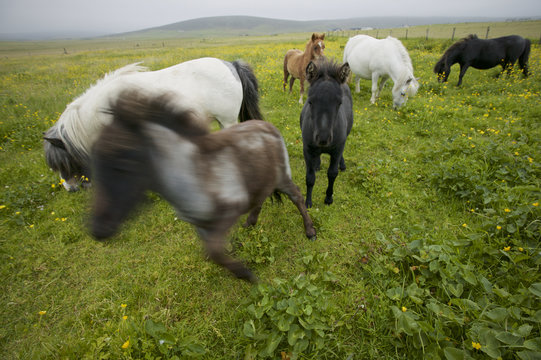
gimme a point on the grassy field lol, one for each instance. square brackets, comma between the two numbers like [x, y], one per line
[430, 250]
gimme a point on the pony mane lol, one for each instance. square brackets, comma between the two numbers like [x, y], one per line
[134, 108]
[459, 44]
[403, 52]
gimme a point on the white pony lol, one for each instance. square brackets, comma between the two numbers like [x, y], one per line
[211, 88]
[371, 58]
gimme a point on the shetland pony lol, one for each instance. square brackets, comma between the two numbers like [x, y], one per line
[296, 61]
[210, 178]
[326, 120]
[484, 54]
[215, 88]
[371, 58]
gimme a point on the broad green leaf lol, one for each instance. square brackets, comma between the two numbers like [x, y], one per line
[249, 329]
[508, 338]
[284, 322]
[528, 355]
[497, 314]
[533, 344]
[295, 333]
[395, 293]
[535, 289]
[524, 330]
[272, 343]
[452, 353]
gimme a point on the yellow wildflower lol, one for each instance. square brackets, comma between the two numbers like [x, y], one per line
[498, 227]
[126, 344]
[125, 317]
[536, 203]
[507, 210]
[507, 248]
[123, 305]
[476, 345]
[42, 312]
[2, 207]
[464, 225]
[520, 249]
[404, 309]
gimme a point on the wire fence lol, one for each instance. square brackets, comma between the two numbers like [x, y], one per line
[529, 29]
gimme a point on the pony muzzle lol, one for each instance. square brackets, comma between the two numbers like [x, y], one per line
[323, 138]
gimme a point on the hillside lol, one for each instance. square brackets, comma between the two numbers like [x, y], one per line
[257, 26]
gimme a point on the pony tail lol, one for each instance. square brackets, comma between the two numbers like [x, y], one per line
[249, 109]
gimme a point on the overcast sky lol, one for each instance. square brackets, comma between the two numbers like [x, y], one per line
[113, 16]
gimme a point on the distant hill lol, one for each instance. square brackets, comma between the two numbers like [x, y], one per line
[254, 26]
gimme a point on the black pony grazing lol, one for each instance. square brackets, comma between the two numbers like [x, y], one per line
[484, 54]
[326, 120]
[210, 178]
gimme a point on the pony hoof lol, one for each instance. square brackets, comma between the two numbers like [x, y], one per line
[328, 200]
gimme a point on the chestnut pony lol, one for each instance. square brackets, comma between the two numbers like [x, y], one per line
[296, 61]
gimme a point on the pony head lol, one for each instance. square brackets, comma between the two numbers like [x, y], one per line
[318, 44]
[70, 164]
[325, 97]
[403, 90]
[442, 69]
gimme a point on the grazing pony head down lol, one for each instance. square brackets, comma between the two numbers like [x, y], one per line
[484, 54]
[219, 90]
[443, 67]
[210, 178]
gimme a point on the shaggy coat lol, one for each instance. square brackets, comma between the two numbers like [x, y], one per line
[210, 178]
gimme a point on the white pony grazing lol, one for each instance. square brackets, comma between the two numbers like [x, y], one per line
[210, 87]
[371, 58]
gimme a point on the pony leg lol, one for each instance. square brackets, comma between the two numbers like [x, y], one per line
[294, 194]
[252, 218]
[302, 90]
[357, 80]
[311, 163]
[342, 163]
[286, 77]
[375, 94]
[291, 81]
[463, 69]
[382, 82]
[214, 240]
[332, 173]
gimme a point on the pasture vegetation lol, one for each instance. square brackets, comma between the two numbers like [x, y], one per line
[431, 248]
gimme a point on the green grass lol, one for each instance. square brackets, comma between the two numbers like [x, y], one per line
[431, 245]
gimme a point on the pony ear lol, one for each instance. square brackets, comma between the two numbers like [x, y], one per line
[408, 81]
[343, 73]
[311, 72]
[55, 142]
[323, 36]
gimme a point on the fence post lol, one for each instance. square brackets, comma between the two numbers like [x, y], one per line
[407, 35]
[488, 29]
[427, 33]
[453, 36]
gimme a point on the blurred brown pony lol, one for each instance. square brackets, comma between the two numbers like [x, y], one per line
[296, 61]
[210, 178]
